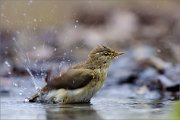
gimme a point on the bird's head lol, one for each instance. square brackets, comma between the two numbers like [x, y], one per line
[103, 54]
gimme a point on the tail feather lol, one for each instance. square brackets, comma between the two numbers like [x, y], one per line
[35, 97]
[44, 90]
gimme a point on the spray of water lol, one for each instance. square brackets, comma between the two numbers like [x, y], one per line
[26, 66]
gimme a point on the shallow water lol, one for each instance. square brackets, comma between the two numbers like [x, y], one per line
[99, 109]
[106, 105]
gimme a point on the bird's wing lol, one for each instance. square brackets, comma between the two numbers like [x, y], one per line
[72, 79]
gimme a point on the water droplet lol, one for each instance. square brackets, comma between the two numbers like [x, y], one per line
[25, 88]
[7, 63]
[34, 47]
[20, 93]
[26, 100]
[30, 2]
[35, 20]
[71, 50]
[69, 60]
[18, 32]
[75, 26]
[158, 50]
[9, 73]
[77, 21]
[2, 14]
[7, 21]
[65, 53]
[34, 28]
[24, 14]
[55, 49]
[15, 84]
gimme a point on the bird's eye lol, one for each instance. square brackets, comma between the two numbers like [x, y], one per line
[106, 53]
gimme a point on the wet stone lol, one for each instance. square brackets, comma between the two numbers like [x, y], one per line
[173, 73]
[5, 86]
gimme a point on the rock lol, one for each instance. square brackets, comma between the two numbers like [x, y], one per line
[155, 85]
[122, 91]
[175, 88]
[173, 73]
[146, 93]
[165, 81]
[123, 70]
[5, 85]
[146, 75]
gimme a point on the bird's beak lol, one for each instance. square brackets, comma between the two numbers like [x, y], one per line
[118, 54]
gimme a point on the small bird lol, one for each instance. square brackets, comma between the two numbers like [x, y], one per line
[80, 82]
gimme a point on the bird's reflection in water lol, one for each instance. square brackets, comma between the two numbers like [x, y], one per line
[74, 111]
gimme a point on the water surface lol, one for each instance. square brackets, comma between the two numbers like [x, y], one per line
[106, 105]
[99, 109]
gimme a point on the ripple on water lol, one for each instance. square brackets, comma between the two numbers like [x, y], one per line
[101, 108]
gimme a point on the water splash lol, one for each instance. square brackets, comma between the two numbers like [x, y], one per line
[33, 78]
[26, 60]
[75, 26]
[7, 63]
[34, 47]
[30, 2]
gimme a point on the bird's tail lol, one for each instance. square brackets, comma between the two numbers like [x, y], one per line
[35, 97]
[44, 90]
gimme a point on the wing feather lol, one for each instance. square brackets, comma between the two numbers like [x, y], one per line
[72, 79]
